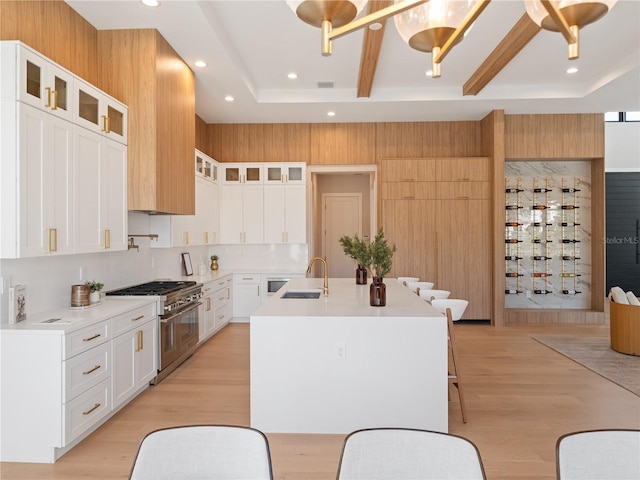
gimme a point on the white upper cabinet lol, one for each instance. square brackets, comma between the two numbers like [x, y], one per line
[289, 173]
[241, 214]
[98, 112]
[43, 84]
[242, 173]
[206, 167]
[285, 214]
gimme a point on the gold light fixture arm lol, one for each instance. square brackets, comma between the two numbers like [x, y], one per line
[559, 20]
[329, 33]
[462, 28]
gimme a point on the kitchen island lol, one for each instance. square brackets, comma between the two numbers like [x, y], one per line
[335, 364]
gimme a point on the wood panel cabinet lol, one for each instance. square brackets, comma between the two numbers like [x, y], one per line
[442, 227]
[141, 69]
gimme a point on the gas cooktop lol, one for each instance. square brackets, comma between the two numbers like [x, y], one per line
[153, 288]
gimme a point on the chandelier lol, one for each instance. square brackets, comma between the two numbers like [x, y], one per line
[436, 26]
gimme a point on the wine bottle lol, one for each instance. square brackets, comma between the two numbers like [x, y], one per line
[513, 207]
[541, 240]
[512, 224]
[541, 292]
[542, 190]
[512, 240]
[540, 224]
[570, 190]
[539, 207]
[569, 207]
[541, 257]
[513, 274]
[512, 292]
[569, 240]
[540, 274]
[513, 190]
[512, 257]
[567, 275]
[570, 292]
[569, 224]
[570, 257]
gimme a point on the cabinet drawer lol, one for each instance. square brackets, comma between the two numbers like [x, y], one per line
[86, 370]
[246, 278]
[208, 288]
[85, 411]
[132, 319]
[222, 283]
[83, 340]
[221, 316]
[222, 296]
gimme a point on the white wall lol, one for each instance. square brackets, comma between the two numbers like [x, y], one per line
[622, 146]
[49, 279]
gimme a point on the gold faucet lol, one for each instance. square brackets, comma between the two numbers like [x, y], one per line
[325, 287]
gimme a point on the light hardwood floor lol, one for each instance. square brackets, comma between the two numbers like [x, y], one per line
[521, 396]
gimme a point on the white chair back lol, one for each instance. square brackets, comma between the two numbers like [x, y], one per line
[397, 453]
[203, 451]
[457, 306]
[414, 286]
[428, 295]
[601, 454]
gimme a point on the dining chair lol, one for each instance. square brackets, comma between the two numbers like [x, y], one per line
[602, 454]
[405, 280]
[453, 308]
[214, 452]
[405, 453]
[429, 295]
[416, 287]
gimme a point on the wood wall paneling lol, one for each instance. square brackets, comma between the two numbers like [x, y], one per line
[342, 143]
[598, 234]
[202, 138]
[554, 136]
[55, 30]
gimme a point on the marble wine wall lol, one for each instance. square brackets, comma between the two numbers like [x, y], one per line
[548, 234]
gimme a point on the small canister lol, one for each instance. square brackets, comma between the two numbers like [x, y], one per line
[80, 295]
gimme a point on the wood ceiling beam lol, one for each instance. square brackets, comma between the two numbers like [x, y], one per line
[371, 44]
[514, 41]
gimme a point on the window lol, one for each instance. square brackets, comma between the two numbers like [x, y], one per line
[632, 117]
[613, 117]
[622, 117]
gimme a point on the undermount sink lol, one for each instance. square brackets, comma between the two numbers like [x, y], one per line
[302, 294]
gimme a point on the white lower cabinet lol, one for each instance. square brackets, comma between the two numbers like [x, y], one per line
[58, 384]
[247, 295]
[215, 311]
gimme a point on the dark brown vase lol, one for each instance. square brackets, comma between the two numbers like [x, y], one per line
[361, 276]
[377, 293]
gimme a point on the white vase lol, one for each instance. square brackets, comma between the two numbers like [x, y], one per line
[94, 297]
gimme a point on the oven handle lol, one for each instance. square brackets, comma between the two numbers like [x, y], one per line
[188, 309]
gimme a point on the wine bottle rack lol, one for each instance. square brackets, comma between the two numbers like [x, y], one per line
[570, 241]
[543, 241]
[512, 237]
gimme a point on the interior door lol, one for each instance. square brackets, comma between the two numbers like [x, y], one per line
[341, 215]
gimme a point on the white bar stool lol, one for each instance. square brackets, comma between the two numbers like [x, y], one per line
[429, 295]
[416, 287]
[405, 280]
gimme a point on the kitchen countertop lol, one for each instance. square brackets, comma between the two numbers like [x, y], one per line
[213, 275]
[346, 298]
[76, 319]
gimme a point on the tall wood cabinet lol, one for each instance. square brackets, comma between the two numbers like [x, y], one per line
[438, 213]
[141, 69]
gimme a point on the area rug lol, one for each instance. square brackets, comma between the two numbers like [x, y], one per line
[596, 354]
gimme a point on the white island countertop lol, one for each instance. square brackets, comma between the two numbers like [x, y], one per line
[336, 364]
[346, 298]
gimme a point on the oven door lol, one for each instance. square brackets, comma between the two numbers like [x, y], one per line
[178, 333]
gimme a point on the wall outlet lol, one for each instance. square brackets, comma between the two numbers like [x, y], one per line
[5, 284]
[528, 293]
[83, 274]
[341, 351]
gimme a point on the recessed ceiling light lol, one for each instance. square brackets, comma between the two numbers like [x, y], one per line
[150, 3]
[375, 26]
[229, 98]
[200, 63]
[331, 114]
[292, 76]
[572, 70]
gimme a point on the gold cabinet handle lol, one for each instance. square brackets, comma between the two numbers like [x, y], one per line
[92, 370]
[97, 405]
[206, 237]
[137, 318]
[55, 239]
[409, 197]
[466, 197]
[208, 304]
[48, 239]
[140, 341]
[55, 100]
[91, 338]
[107, 238]
[48, 89]
[106, 124]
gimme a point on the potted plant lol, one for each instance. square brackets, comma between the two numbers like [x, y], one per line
[381, 255]
[357, 249]
[94, 290]
[214, 262]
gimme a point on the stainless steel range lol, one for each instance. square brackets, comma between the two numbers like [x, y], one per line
[178, 305]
